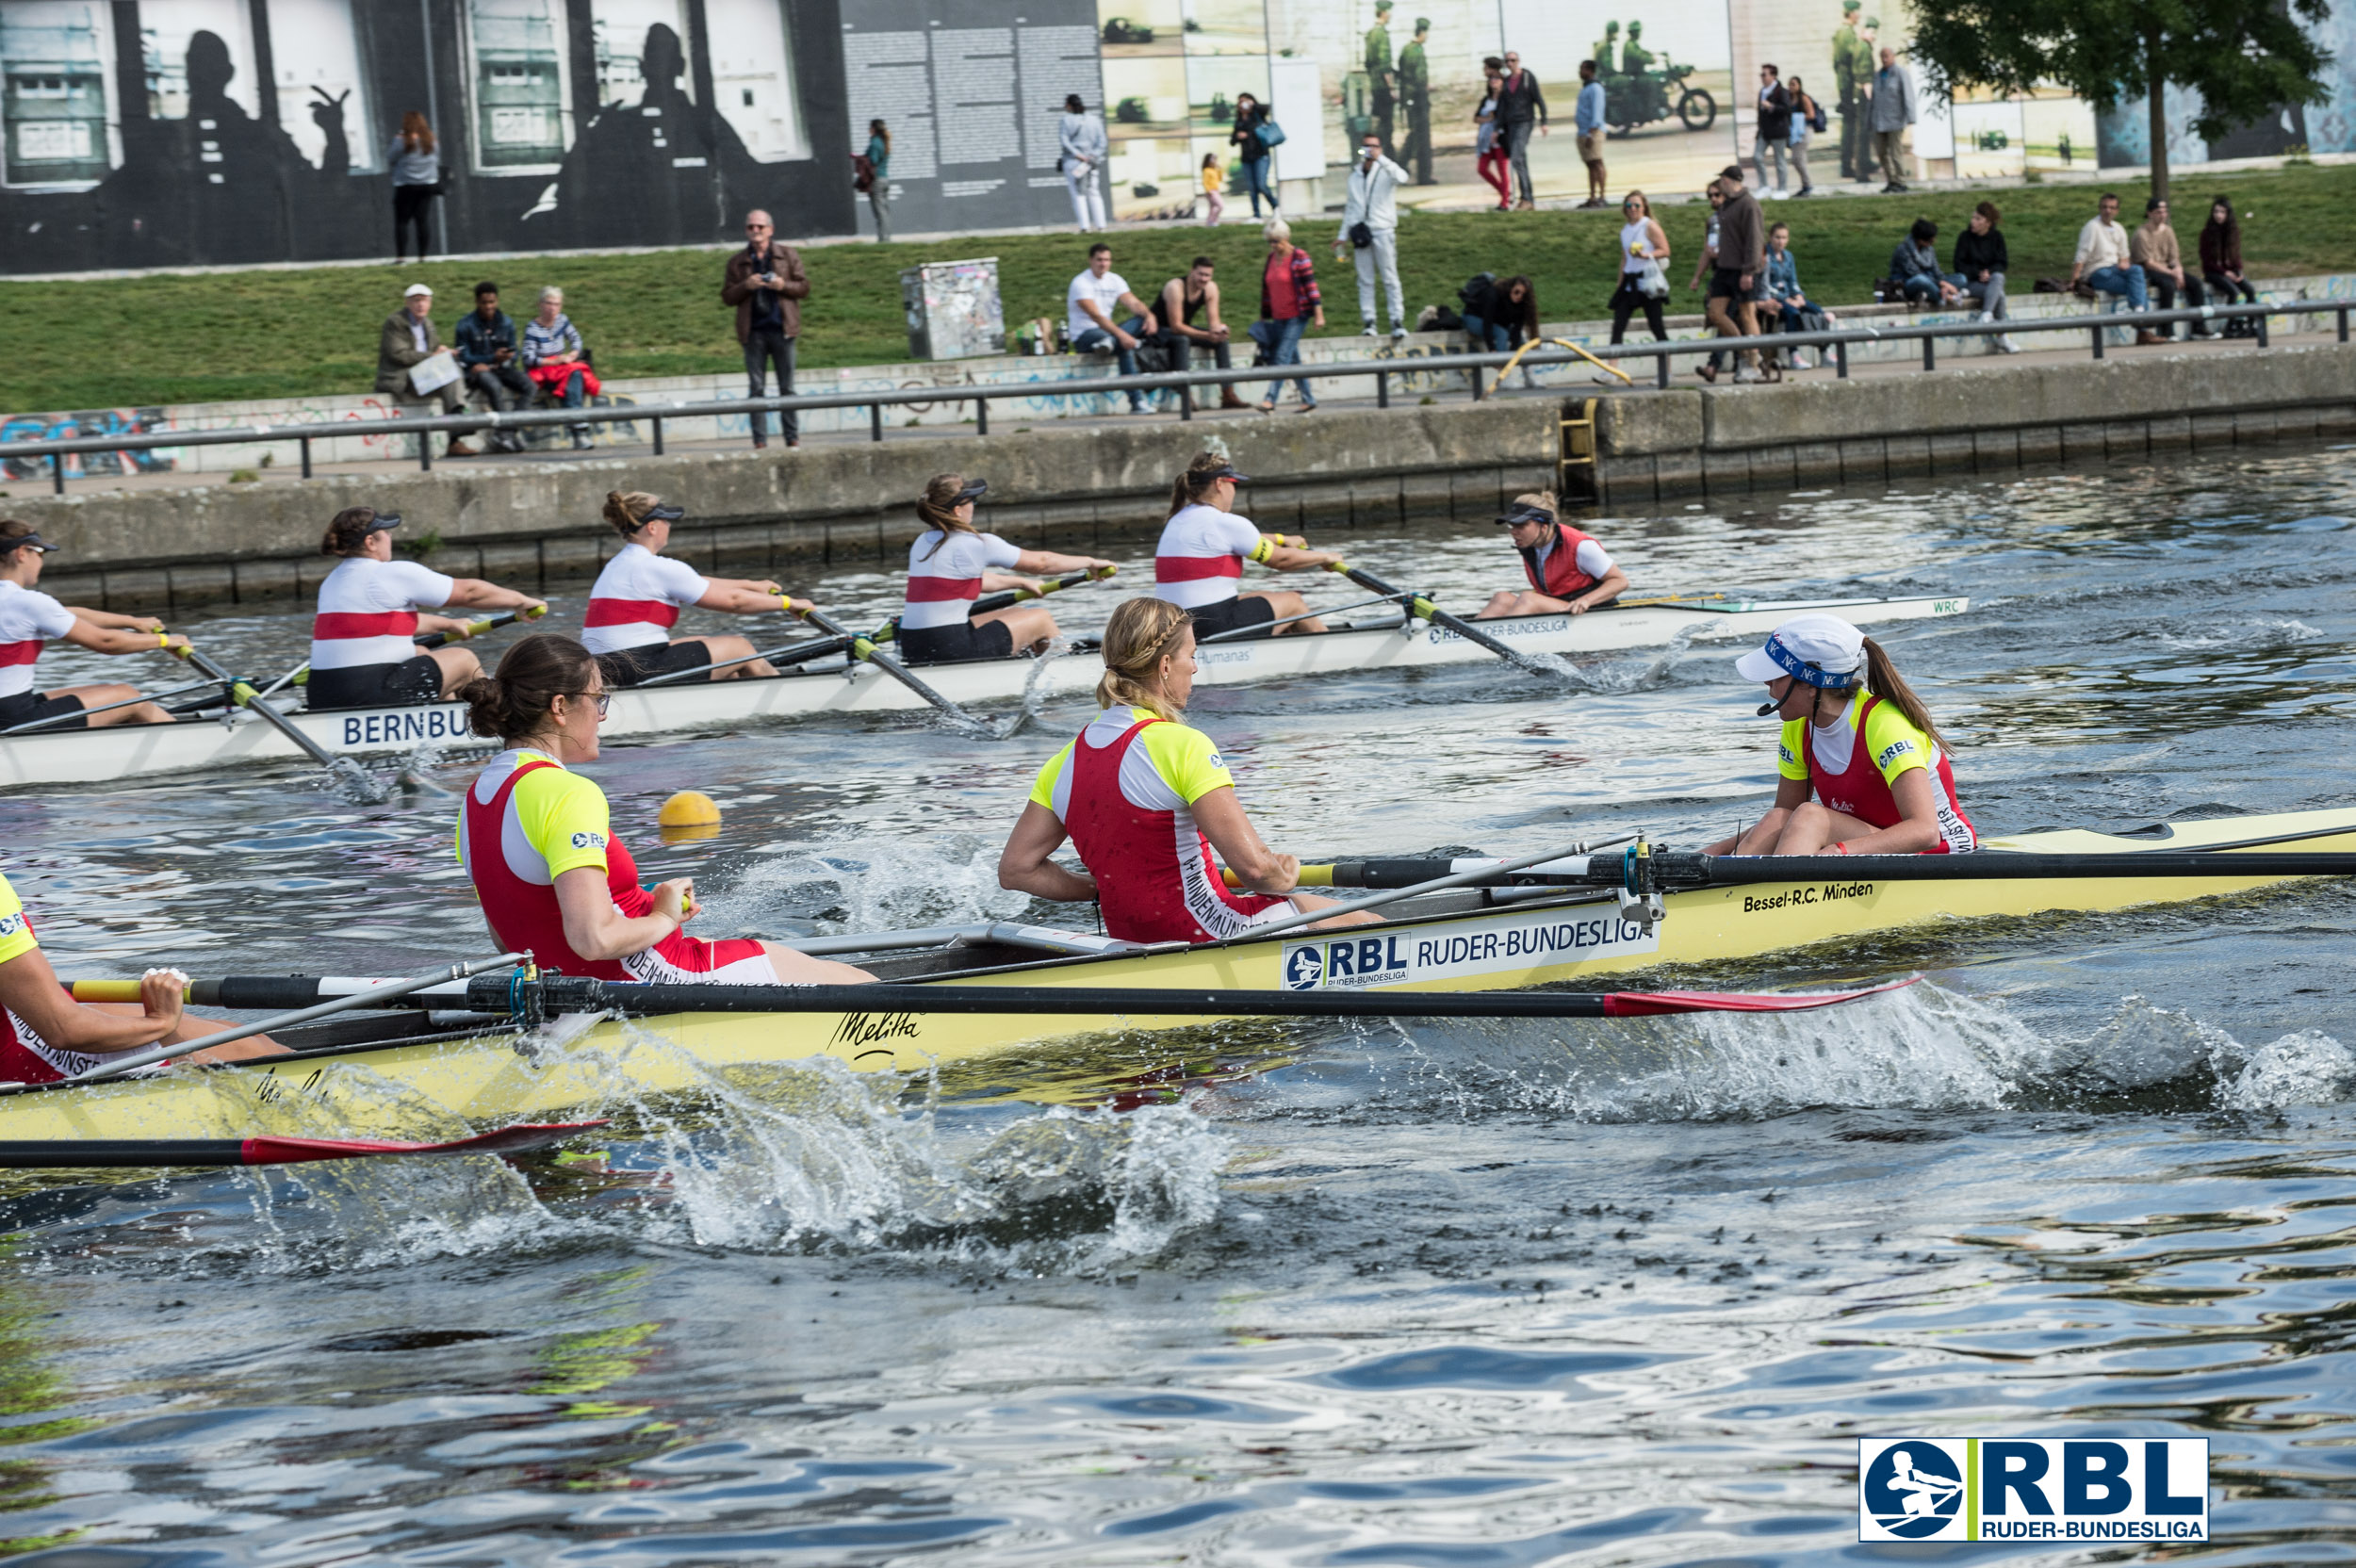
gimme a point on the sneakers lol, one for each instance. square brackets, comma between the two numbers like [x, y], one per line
[1605, 378]
[1806, 191]
[1367, 331]
[1398, 333]
[1800, 360]
[2005, 344]
[1140, 408]
[1747, 377]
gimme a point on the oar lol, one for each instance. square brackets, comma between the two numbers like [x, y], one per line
[864, 648]
[242, 694]
[284, 1020]
[265, 1149]
[889, 630]
[1418, 605]
[564, 993]
[476, 629]
[790, 653]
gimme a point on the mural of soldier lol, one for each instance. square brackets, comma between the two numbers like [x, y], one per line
[1415, 96]
[1607, 54]
[1853, 81]
[1380, 77]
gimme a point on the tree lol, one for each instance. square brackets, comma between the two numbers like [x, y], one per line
[2243, 57]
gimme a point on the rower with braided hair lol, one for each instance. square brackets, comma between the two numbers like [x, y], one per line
[1199, 563]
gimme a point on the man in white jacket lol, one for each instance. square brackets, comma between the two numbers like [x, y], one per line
[1372, 182]
[1081, 140]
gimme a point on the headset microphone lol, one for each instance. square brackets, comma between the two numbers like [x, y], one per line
[1767, 707]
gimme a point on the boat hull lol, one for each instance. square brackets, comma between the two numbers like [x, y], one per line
[100, 756]
[401, 1089]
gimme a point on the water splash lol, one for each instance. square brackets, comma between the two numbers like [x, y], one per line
[872, 885]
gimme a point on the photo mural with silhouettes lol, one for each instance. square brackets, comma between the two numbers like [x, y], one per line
[162, 133]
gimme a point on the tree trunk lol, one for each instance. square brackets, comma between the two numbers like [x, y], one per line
[2159, 116]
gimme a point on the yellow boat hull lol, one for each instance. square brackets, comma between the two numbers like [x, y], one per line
[408, 1089]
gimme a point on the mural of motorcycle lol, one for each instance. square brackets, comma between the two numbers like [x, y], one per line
[1633, 100]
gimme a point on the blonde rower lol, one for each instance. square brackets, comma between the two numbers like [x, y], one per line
[1569, 572]
[1145, 798]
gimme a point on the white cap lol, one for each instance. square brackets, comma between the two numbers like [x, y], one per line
[414, 289]
[1822, 650]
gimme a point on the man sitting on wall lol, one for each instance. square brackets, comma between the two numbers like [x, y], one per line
[486, 353]
[409, 339]
[1089, 305]
[1180, 301]
[2153, 248]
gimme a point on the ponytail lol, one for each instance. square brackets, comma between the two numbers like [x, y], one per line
[1192, 485]
[1883, 680]
[937, 508]
[1141, 634]
[511, 705]
[627, 510]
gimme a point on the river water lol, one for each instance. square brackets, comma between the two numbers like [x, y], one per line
[1473, 1294]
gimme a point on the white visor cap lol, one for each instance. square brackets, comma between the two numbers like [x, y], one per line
[1822, 650]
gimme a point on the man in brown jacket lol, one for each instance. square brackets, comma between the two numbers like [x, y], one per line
[766, 284]
[1742, 260]
[408, 339]
[2153, 248]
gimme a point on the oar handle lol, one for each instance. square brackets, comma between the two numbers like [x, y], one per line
[476, 629]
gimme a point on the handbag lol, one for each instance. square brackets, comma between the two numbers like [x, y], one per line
[1361, 235]
[1270, 132]
[1816, 121]
[434, 373]
[862, 173]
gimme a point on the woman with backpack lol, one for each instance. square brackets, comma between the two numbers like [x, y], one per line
[1808, 116]
[1250, 114]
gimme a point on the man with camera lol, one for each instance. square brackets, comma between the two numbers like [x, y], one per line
[1371, 226]
[766, 284]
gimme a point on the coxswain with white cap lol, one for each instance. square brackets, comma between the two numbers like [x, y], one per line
[28, 618]
[1863, 769]
[1569, 572]
[950, 566]
[1144, 798]
[638, 596]
[364, 647]
[1199, 560]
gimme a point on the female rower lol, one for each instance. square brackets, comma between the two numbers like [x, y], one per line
[537, 840]
[1199, 560]
[1864, 771]
[28, 618]
[46, 1036]
[637, 599]
[364, 646]
[1569, 572]
[949, 567]
[1145, 798]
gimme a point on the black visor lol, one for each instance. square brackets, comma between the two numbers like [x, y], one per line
[29, 542]
[661, 513]
[974, 490]
[1227, 470]
[1525, 513]
[383, 519]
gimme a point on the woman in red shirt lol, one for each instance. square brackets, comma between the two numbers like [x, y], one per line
[1289, 303]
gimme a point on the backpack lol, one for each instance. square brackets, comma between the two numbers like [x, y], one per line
[1475, 285]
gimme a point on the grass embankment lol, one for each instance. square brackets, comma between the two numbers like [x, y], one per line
[178, 338]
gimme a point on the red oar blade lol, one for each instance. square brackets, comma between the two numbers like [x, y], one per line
[505, 1140]
[1648, 1004]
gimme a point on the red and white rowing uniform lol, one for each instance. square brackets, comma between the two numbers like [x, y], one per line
[1567, 567]
[1853, 764]
[1200, 559]
[368, 611]
[943, 583]
[526, 820]
[636, 600]
[1125, 791]
[28, 618]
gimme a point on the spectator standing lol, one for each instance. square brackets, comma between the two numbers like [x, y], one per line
[1914, 268]
[2153, 248]
[1736, 272]
[1789, 309]
[879, 178]
[2220, 265]
[1643, 248]
[1080, 138]
[1981, 263]
[1853, 86]
[555, 358]
[1289, 304]
[1521, 110]
[1774, 132]
[1180, 301]
[765, 282]
[1370, 229]
[2104, 266]
[1214, 181]
[408, 338]
[1415, 96]
[1893, 112]
[1588, 117]
[417, 167]
[1089, 305]
[1805, 113]
[487, 350]
[1489, 159]
[1250, 114]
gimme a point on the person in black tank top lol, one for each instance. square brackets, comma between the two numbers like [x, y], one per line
[1182, 299]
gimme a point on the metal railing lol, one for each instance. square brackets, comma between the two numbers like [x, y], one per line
[1184, 382]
